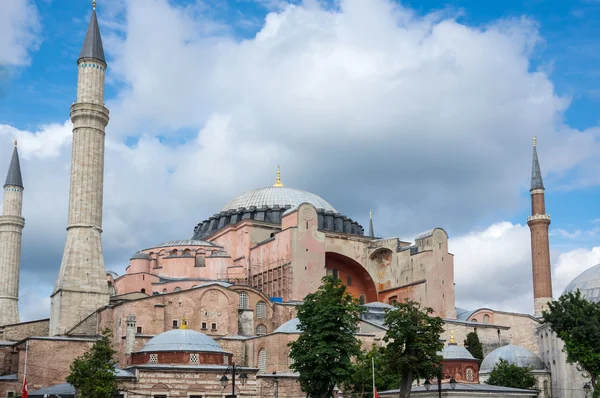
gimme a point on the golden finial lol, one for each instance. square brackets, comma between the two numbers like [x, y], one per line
[278, 183]
[452, 341]
[534, 140]
[94, 5]
[183, 323]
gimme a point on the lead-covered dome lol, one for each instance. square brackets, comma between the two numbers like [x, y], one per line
[182, 340]
[455, 351]
[588, 283]
[513, 354]
[281, 196]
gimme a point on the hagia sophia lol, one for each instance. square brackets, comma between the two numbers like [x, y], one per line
[187, 310]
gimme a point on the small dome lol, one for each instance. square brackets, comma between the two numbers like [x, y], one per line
[282, 196]
[588, 283]
[455, 351]
[290, 327]
[513, 354]
[140, 256]
[186, 340]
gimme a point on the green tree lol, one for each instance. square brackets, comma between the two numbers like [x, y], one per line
[509, 375]
[473, 344]
[93, 374]
[361, 381]
[413, 342]
[323, 353]
[575, 321]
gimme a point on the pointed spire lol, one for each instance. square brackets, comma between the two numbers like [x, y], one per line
[278, 183]
[371, 231]
[536, 174]
[14, 170]
[92, 45]
[452, 341]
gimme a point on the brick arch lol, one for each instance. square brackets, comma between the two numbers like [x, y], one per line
[361, 281]
[161, 387]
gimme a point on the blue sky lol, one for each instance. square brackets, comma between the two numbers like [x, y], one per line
[186, 125]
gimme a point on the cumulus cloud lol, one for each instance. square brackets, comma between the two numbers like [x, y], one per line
[19, 28]
[423, 119]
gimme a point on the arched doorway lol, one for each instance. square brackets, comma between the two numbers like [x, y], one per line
[352, 274]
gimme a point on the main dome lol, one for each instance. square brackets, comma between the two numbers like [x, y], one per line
[588, 283]
[282, 196]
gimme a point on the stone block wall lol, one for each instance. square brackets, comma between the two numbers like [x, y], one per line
[20, 331]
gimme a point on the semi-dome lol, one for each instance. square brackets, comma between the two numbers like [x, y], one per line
[186, 340]
[290, 327]
[513, 354]
[282, 196]
[588, 283]
[140, 256]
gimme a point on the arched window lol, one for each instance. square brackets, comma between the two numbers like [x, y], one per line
[335, 273]
[469, 374]
[165, 290]
[177, 289]
[349, 281]
[262, 361]
[261, 330]
[243, 301]
[186, 253]
[474, 320]
[261, 310]
[486, 319]
[362, 299]
[174, 252]
[143, 290]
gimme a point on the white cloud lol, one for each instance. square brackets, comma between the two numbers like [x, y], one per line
[19, 28]
[572, 263]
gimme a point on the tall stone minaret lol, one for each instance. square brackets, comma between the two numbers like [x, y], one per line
[538, 223]
[81, 287]
[11, 225]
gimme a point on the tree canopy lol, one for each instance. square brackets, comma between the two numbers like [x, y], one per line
[413, 343]
[509, 375]
[323, 352]
[361, 381]
[576, 321]
[473, 344]
[93, 374]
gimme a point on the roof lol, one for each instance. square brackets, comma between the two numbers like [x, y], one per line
[140, 256]
[588, 283]
[463, 315]
[9, 377]
[290, 327]
[186, 340]
[455, 351]
[480, 388]
[536, 174]
[513, 354]
[13, 177]
[184, 242]
[64, 390]
[282, 196]
[92, 45]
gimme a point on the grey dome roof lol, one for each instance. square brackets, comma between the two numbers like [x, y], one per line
[455, 351]
[282, 196]
[513, 354]
[140, 256]
[290, 327]
[182, 340]
[588, 283]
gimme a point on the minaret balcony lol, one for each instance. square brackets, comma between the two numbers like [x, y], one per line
[537, 217]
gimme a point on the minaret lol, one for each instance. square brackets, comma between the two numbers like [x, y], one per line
[538, 223]
[11, 225]
[81, 287]
[371, 231]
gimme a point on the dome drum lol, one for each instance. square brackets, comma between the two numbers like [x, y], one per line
[181, 358]
[327, 220]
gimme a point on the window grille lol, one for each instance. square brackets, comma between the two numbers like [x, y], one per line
[244, 301]
[261, 330]
[470, 374]
[153, 358]
[194, 359]
[262, 361]
[261, 310]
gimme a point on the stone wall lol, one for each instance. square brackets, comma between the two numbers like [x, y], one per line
[20, 331]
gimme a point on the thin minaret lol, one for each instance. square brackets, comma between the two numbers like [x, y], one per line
[11, 227]
[538, 223]
[371, 231]
[81, 287]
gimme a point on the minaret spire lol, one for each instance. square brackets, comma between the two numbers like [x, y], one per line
[81, 286]
[371, 231]
[11, 227]
[539, 223]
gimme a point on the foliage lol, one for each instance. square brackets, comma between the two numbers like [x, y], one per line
[413, 343]
[473, 344]
[323, 352]
[361, 382]
[509, 375]
[93, 374]
[576, 321]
